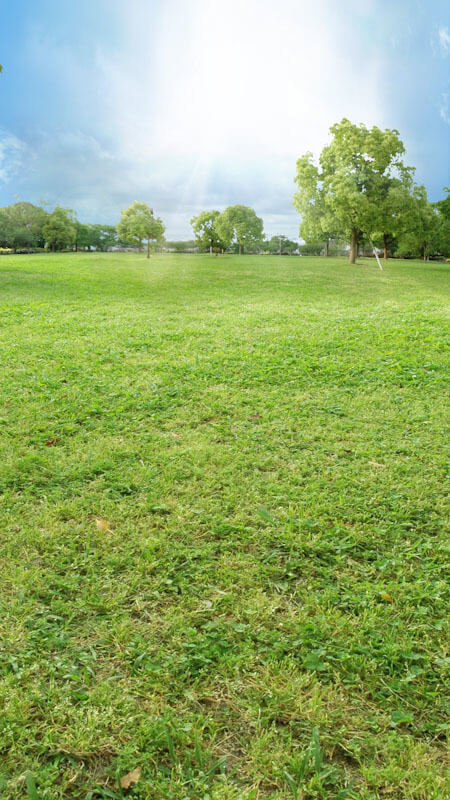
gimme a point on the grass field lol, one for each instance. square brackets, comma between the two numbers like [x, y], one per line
[261, 610]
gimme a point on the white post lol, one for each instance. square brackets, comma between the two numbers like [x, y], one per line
[375, 254]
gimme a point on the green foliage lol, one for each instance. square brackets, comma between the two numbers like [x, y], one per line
[266, 613]
[95, 237]
[428, 228]
[362, 186]
[206, 235]
[281, 245]
[60, 230]
[138, 224]
[240, 225]
[21, 226]
[181, 246]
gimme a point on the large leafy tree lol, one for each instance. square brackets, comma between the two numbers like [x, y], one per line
[350, 189]
[239, 224]
[206, 235]
[138, 224]
[60, 229]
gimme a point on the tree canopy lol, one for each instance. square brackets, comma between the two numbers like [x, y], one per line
[359, 187]
[21, 226]
[138, 224]
[60, 230]
[206, 235]
[239, 224]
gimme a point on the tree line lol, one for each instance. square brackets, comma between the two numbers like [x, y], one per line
[25, 227]
[359, 192]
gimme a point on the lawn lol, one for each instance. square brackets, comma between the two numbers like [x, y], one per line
[223, 535]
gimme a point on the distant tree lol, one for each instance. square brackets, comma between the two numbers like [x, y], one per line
[349, 193]
[60, 230]
[138, 224]
[104, 236]
[21, 226]
[206, 235]
[424, 235]
[443, 209]
[5, 228]
[281, 245]
[83, 238]
[182, 246]
[443, 206]
[95, 236]
[240, 224]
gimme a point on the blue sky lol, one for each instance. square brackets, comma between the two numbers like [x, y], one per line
[196, 104]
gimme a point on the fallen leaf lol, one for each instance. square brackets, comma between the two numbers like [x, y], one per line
[174, 435]
[102, 525]
[49, 442]
[386, 596]
[130, 779]
[375, 464]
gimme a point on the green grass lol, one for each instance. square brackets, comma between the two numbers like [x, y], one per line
[266, 617]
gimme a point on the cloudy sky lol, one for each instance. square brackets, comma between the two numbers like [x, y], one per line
[196, 104]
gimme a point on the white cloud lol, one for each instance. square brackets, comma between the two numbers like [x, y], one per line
[444, 40]
[13, 154]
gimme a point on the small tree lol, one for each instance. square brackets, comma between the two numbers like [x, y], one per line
[60, 229]
[241, 225]
[138, 224]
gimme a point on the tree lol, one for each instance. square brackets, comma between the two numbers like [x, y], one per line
[21, 226]
[97, 237]
[424, 233]
[281, 245]
[350, 190]
[139, 224]
[104, 236]
[206, 235]
[241, 225]
[60, 230]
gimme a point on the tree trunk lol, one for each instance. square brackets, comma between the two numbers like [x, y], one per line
[240, 249]
[326, 248]
[353, 247]
[385, 246]
[210, 249]
[148, 248]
